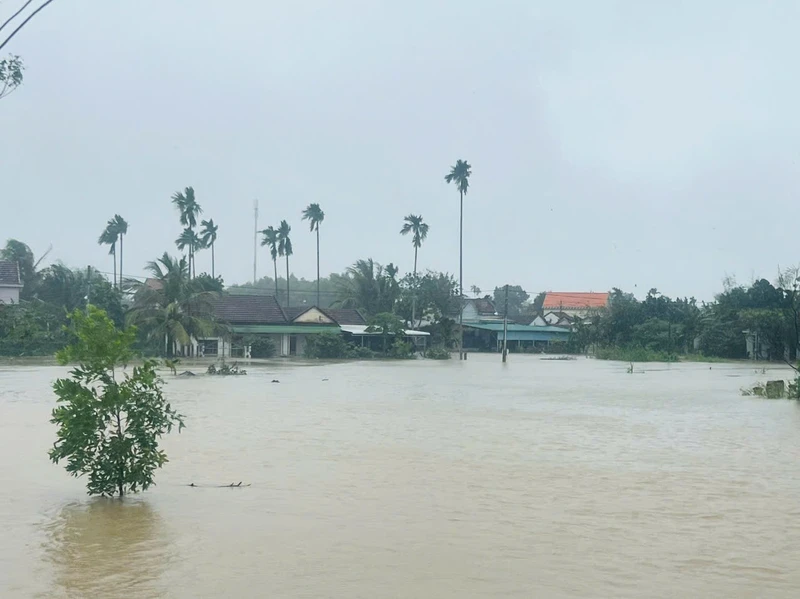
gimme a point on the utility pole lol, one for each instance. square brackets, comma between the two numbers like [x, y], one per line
[505, 328]
[255, 239]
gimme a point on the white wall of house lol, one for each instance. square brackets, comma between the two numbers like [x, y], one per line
[469, 313]
[9, 295]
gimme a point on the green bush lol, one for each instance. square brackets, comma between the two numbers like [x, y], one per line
[401, 350]
[437, 353]
[331, 346]
[262, 347]
[360, 353]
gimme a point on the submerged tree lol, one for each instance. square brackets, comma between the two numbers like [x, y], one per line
[109, 429]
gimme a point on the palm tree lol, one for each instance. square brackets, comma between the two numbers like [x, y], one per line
[121, 226]
[189, 210]
[189, 240]
[269, 237]
[413, 224]
[208, 237]
[285, 249]
[368, 286]
[171, 306]
[110, 236]
[314, 215]
[460, 174]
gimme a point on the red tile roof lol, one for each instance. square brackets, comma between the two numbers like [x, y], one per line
[574, 301]
[248, 309]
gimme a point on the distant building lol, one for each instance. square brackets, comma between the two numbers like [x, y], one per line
[478, 309]
[10, 282]
[260, 316]
[574, 304]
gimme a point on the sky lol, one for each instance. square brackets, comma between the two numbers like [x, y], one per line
[613, 144]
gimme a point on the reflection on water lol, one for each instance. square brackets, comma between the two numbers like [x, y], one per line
[107, 548]
[423, 479]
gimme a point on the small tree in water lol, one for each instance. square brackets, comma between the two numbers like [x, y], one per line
[109, 429]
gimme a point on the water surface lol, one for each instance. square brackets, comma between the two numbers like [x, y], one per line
[423, 479]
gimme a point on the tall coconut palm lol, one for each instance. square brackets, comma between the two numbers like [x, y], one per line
[460, 174]
[110, 237]
[189, 210]
[314, 215]
[419, 230]
[413, 224]
[189, 240]
[208, 236]
[121, 226]
[269, 237]
[285, 249]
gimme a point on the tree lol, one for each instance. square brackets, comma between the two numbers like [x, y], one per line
[12, 67]
[174, 308]
[10, 75]
[269, 237]
[189, 210]
[460, 174]
[121, 227]
[188, 239]
[419, 230]
[368, 286]
[314, 215]
[208, 237]
[110, 237]
[517, 297]
[388, 325]
[285, 249]
[19, 252]
[109, 430]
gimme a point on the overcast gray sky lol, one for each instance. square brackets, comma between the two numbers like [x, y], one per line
[613, 143]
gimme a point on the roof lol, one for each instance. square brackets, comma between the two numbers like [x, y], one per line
[574, 301]
[362, 330]
[283, 329]
[517, 328]
[248, 309]
[338, 315]
[483, 305]
[9, 274]
[153, 284]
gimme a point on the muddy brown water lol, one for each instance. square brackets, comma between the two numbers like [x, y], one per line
[423, 479]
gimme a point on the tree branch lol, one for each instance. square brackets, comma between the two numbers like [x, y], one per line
[21, 25]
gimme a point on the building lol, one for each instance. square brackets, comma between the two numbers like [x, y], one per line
[10, 282]
[577, 304]
[249, 317]
[478, 309]
[487, 336]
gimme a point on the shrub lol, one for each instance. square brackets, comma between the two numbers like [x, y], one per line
[401, 350]
[262, 347]
[360, 353]
[329, 346]
[437, 353]
[634, 354]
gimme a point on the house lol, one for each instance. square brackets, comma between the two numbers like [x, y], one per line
[559, 319]
[488, 336]
[478, 309]
[573, 304]
[260, 316]
[10, 282]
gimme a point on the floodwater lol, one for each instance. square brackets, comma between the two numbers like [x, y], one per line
[423, 479]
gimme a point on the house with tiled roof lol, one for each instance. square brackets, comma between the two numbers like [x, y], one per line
[573, 304]
[261, 316]
[478, 309]
[10, 282]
